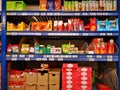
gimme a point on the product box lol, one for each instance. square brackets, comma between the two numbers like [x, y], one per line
[101, 25]
[70, 25]
[54, 76]
[53, 87]
[42, 76]
[55, 25]
[57, 5]
[42, 86]
[112, 25]
[50, 5]
[20, 5]
[10, 5]
[43, 26]
[35, 26]
[60, 25]
[30, 78]
[50, 25]
[10, 26]
[22, 27]
[31, 87]
[25, 48]
[65, 48]
[43, 5]
[76, 6]
[15, 78]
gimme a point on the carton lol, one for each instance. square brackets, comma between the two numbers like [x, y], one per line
[43, 26]
[54, 76]
[30, 78]
[42, 86]
[42, 76]
[57, 5]
[43, 5]
[35, 26]
[31, 87]
[54, 87]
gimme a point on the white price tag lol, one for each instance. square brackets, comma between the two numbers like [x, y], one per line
[60, 59]
[49, 14]
[85, 34]
[44, 59]
[109, 56]
[36, 14]
[77, 14]
[109, 34]
[102, 34]
[75, 56]
[22, 56]
[13, 33]
[43, 14]
[108, 59]
[91, 59]
[24, 13]
[31, 56]
[51, 59]
[99, 56]
[13, 13]
[27, 59]
[14, 55]
[89, 56]
[38, 59]
[14, 59]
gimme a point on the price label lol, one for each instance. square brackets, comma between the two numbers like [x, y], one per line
[13, 33]
[85, 34]
[14, 55]
[75, 56]
[14, 59]
[109, 34]
[99, 56]
[38, 59]
[37, 14]
[25, 13]
[51, 59]
[13, 13]
[77, 14]
[102, 34]
[60, 59]
[109, 59]
[43, 14]
[91, 59]
[31, 56]
[38, 34]
[49, 14]
[109, 56]
[7, 55]
[22, 56]
[84, 14]
[89, 56]
[44, 59]
[27, 59]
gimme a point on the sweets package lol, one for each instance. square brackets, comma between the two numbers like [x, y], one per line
[57, 5]
[50, 5]
[43, 5]
[25, 48]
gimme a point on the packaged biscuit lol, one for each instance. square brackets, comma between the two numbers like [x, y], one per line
[57, 5]
[50, 5]
[43, 5]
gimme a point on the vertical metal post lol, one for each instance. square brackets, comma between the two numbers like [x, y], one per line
[118, 63]
[3, 38]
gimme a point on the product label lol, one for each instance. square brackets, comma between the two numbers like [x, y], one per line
[83, 82]
[69, 77]
[69, 86]
[69, 73]
[69, 82]
[84, 78]
[69, 65]
[83, 73]
[84, 69]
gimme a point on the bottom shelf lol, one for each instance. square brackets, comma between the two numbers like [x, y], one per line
[62, 76]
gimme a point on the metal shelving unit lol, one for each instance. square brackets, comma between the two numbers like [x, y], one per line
[31, 57]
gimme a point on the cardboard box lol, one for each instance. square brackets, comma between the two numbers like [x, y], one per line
[42, 76]
[16, 88]
[30, 87]
[54, 76]
[30, 78]
[53, 87]
[42, 86]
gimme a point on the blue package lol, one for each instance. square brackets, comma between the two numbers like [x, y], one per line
[101, 25]
[113, 25]
[37, 49]
[50, 5]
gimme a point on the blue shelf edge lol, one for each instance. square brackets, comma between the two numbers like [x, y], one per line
[63, 13]
[61, 57]
[80, 33]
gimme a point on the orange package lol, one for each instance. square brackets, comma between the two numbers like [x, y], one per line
[43, 26]
[43, 5]
[103, 48]
[111, 46]
[97, 48]
[35, 26]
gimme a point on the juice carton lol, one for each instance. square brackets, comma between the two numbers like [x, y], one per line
[55, 25]
[65, 5]
[93, 24]
[69, 5]
[110, 47]
[43, 26]
[57, 5]
[83, 5]
[65, 27]
[43, 5]
[50, 5]
[60, 25]
[35, 26]
[50, 24]
[103, 48]
[97, 48]
[73, 5]
[76, 6]
[70, 25]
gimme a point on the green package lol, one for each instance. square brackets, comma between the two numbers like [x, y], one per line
[10, 5]
[66, 48]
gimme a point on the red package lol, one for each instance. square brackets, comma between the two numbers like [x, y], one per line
[103, 87]
[110, 47]
[9, 48]
[103, 48]
[35, 26]
[55, 25]
[93, 24]
[60, 25]
[70, 25]
[97, 48]
[65, 27]
[57, 5]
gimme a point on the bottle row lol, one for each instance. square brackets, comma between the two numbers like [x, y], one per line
[71, 24]
[67, 5]
[96, 46]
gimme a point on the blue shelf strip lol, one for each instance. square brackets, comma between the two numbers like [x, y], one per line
[84, 33]
[63, 13]
[61, 57]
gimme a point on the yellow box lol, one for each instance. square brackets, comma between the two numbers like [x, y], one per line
[22, 26]
[54, 76]
[10, 26]
[43, 76]
[42, 86]
[30, 87]
[30, 78]
[54, 87]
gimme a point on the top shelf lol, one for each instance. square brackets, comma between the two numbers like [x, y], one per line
[62, 13]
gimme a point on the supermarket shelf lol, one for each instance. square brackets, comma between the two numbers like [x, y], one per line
[63, 13]
[81, 33]
[61, 57]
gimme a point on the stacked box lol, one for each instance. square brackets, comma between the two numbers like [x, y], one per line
[42, 79]
[69, 76]
[30, 80]
[84, 78]
[15, 80]
[54, 79]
